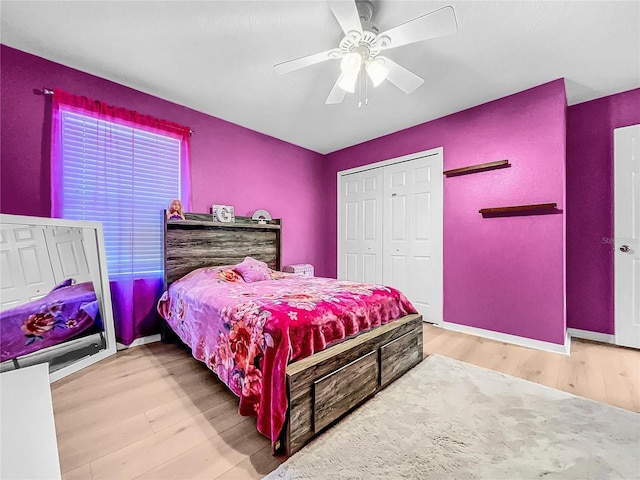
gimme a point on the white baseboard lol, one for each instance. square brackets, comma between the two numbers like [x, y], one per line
[140, 341]
[595, 336]
[514, 339]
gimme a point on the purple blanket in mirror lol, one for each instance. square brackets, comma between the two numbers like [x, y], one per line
[62, 314]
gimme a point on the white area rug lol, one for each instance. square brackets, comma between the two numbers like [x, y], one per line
[447, 419]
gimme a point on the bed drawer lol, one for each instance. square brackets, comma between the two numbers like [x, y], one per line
[338, 392]
[399, 355]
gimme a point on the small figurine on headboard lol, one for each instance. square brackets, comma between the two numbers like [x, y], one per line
[175, 210]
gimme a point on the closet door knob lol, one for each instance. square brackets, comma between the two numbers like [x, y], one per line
[624, 248]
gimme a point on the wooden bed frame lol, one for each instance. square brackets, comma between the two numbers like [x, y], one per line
[327, 385]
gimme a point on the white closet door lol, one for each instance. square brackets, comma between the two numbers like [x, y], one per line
[360, 228]
[24, 263]
[412, 245]
[67, 252]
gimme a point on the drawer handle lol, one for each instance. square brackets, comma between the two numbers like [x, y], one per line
[395, 340]
[343, 367]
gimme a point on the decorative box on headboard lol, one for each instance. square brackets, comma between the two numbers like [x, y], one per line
[304, 268]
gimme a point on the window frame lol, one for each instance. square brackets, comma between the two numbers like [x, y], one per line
[118, 268]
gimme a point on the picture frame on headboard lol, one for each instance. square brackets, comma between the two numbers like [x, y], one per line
[223, 213]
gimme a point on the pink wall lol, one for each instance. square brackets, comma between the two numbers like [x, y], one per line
[230, 164]
[500, 274]
[590, 125]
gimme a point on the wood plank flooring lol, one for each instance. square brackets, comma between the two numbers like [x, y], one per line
[153, 412]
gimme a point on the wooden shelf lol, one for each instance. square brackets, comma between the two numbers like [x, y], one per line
[519, 208]
[477, 168]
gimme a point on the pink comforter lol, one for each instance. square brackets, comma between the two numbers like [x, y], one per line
[247, 333]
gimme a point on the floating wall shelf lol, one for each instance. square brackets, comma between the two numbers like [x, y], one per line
[519, 209]
[477, 168]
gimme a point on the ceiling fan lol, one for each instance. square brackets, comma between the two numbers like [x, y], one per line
[360, 49]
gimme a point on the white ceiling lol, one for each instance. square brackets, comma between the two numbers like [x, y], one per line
[217, 57]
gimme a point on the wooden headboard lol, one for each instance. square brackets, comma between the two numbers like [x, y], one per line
[198, 242]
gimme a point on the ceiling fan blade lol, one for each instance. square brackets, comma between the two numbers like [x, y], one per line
[291, 65]
[401, 77]
[337, 94]
[431, 25]
[347, 15]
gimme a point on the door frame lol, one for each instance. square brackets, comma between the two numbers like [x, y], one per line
[618, 323]
[434, 152]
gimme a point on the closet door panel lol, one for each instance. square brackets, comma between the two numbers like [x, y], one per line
[422, 213]
[67, 254]
[371, 182]
[351, 221]
[398, 218]
[370, 221]
[421, 273]
[360, 230]
[398, 273]
[398, 178]
[413, 213]
[350, 228]
[370, 267]
[26, 259]
[351, 262]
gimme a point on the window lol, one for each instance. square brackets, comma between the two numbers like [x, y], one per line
[121, 176]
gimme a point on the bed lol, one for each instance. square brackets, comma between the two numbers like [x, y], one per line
[300, 352]
[64, 313]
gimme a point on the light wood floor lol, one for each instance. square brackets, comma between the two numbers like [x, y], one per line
[153, 412]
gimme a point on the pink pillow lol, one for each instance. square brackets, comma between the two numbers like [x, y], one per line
[253, 270]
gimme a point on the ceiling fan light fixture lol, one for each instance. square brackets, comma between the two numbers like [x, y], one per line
[348, 81]
[351, 63]
[362, 43]
[377, 71]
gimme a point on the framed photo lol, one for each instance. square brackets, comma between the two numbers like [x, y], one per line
[223, 213]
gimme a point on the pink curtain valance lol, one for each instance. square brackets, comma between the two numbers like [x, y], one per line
[131, 118]
[101, 109]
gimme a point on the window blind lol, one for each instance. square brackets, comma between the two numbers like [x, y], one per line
[123, 177]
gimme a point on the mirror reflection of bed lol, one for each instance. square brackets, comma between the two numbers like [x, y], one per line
[52, 301]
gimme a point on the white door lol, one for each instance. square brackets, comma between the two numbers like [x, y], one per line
[24, 265]
[412, 245]
[360, 228]
[67, 252]
[627, 235]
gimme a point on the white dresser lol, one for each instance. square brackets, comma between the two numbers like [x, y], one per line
[28, 445]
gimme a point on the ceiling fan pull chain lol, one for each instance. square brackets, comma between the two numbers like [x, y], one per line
[359, 91]
[366, 88]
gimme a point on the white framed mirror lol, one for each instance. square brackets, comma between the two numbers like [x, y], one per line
[55, 302]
